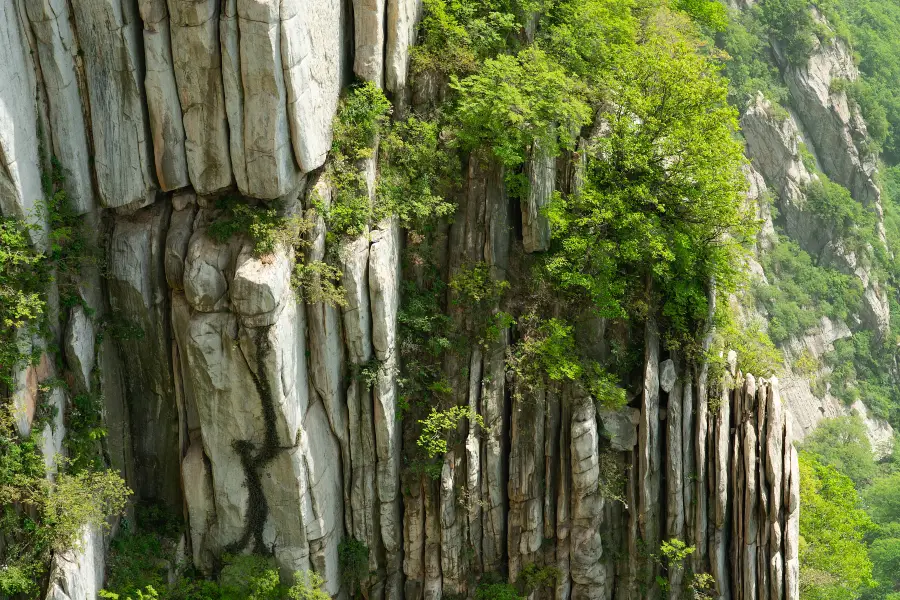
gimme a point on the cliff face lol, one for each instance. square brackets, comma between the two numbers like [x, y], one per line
[826, 124]
[239, 405]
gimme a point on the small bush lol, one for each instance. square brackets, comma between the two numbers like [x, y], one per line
[264, 226]
[546, 355]
[309, 586]
[353, 560]
[362, 115]
[418, 170]
[439, 425]
[497, 591]
[317, 281]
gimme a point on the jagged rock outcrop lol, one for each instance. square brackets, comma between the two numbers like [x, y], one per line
[773, 145]
[230, 398]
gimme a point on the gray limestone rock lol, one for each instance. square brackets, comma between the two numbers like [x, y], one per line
[109, 33]
[79, 347]
[202, 88]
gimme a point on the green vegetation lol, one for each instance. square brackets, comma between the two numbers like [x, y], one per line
[834, 562]
[440, 424]
[268, 229]
[850, 515]
[265, 226]
[362, 115]
[40, 516]
[847, 219]
[672, 556]
[842, 443]
[646, 231]
[658, 218]
[139, 564]
[514, 102]
[872, 26]
[547, 355]
[24, 276]
[749, 67]
[756, 353]
[800, 293]
[353, 559]
[417, 171]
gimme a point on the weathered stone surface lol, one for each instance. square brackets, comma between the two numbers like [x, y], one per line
[196, 476]
[109, 35]
[139, 297]
[20, 176]
[649, 447]
[620, 427]
[541, 172]
[77, 575]
[674, 459]
[587, 572]
[57, 49]
[323, 518]
[163, 105]
[525, 488]
[834, 124]
[357, 314]
[792, 529]
[384, 286]
[80, 347]
[271, 168]
[202, 89]
[260, 284]
[402, 18]
[667, 375]
[369, 28]
[205, 282]
[312, 50]
[178, 237]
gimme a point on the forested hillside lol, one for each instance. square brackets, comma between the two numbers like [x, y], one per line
[495, 299]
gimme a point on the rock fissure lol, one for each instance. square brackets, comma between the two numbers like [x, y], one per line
[254, 458]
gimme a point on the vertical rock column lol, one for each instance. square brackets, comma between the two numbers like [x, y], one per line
[109, 34]
[162, 97]
[57, 49]
[649, 452]
[138, 295]
[588, 573]
[20, 173]
[384, 297]
[197, 63]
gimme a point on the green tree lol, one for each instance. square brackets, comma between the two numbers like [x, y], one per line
[834, 563]
[662, 190]
[514, 101]
[883, 499]
[843, 444]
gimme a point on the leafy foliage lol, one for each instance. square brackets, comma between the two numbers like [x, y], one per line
[513, 102]
[547, 355]
[316, 281]
[843, 444]
[800, 293]
[362, 115]
[440, 424]
[834, 563]
[418, 170]
[793, 27]
[24, 276]
[265, 226]
[661, 192]
[54, 514]
[353, 559]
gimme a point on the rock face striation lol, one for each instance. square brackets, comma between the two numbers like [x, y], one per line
[239, 403]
